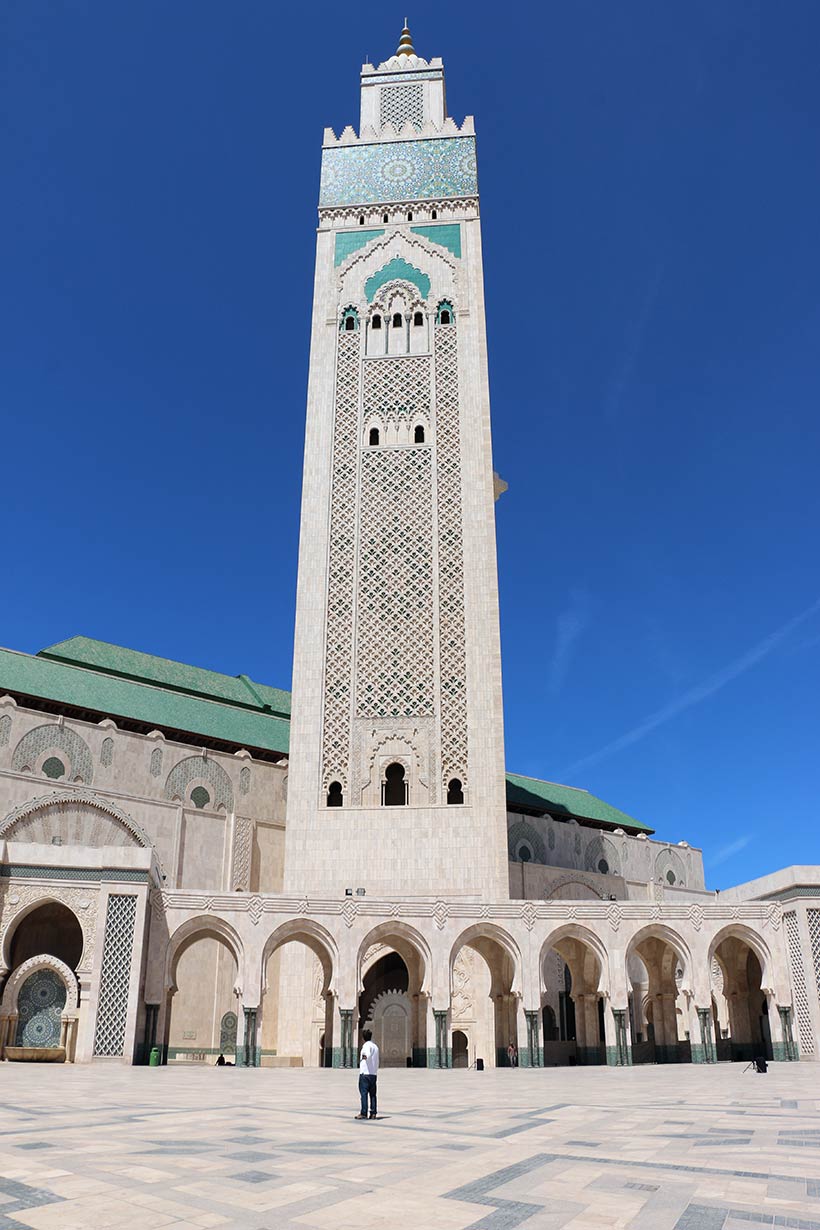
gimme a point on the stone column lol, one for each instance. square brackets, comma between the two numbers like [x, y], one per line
[442, 1054]
[578, 1003]
[593, 1042]
[705, 1031]
[249, 1048]
[346, 1049]
[787, 1042]
[532, 1056]
[616, 1036]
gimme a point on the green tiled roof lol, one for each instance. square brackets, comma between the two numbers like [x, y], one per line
[249, 724]
[124, 683]
[531, 794]
[144, 667]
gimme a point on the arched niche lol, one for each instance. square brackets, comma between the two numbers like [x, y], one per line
[72, 818]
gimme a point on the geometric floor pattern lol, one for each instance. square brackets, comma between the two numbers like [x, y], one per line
[649, 1148]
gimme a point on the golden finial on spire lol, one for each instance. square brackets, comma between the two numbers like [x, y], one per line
[405, 47]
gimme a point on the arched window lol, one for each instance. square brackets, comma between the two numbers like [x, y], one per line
[524, 853]
[373, 438]
[385, 218]
[394, 789]
[54, 768]
[376, 322]
[418, 438]
[334, 794]
[455, 794]
[418, 320]
[350, 320]
[350, 324]
[444, 315]
[398, 320]
[444, 318]
[361, 219]
[409, 217]
[200, 797]
[671, 878]
[434, 214]
[603, 866]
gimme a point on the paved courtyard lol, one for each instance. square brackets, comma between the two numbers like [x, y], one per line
[652, 1148]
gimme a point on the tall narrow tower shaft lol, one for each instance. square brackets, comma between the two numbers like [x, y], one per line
[396, 780]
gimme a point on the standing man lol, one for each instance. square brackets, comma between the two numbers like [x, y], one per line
[368, 1071]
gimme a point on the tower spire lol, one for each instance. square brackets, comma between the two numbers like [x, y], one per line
[405, 47]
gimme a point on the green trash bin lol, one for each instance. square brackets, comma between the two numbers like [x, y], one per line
[153, 1058]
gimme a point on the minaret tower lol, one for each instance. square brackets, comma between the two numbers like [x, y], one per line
[396, 781]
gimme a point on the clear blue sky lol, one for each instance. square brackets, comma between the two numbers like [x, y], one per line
[650, 198]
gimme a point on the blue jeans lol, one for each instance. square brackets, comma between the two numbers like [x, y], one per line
[367, 1089]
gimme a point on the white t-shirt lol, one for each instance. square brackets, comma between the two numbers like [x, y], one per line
[369, 1059]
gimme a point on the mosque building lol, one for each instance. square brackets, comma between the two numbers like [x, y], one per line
[194, 864]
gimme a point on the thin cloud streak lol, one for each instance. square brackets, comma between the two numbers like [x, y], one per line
[569, 626]
[701, 691]
[727, 852]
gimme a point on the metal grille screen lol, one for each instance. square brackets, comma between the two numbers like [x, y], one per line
[112, 1013]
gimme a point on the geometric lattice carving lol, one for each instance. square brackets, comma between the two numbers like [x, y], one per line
[522, 831]
[156, 762]
[341, 563]
[813, 918]
[244, 780]
[46, 738]
[400, 103]
[397, 388]
[195, 768]
[242, 852]
[394, 644]
[452, 649]
[115, 976]
[5, 730]
[601, 856]
[801, 998]
[107, 752]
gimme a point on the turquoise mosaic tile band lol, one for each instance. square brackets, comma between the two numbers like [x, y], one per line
[397, 268]
[398, 171]
[348, 242]
[26, 871]
[449, 236]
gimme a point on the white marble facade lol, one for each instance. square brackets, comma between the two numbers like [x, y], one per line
[197, 895]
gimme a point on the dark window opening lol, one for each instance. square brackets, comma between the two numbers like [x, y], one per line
[200, 797]
[377, 322]
[455, 794]
[334, 794]
[444, 318]
[670, 877]
[385, 218]
[603, 866]
[54, 768]
[409, 217]
[418, 438]
[434, 214]
[524, 854]
[397, 320]
[361, 219]
[418, 320]
[394, 790]
[350, 323]
[373, 438]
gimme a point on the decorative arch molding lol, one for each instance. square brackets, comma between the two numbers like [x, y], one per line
[385, 298]
[489, 931]
[594, 890]
[23, 823]
[33, 966]
[433, 261]
[196, 770]
[669, 860]
[22, 901]
[758, 945]
[54, 737]
[586, 937]
[522, 830]
[408, 937]
[204, 926]
[315, 937]
[673, 940]
[598, 849]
